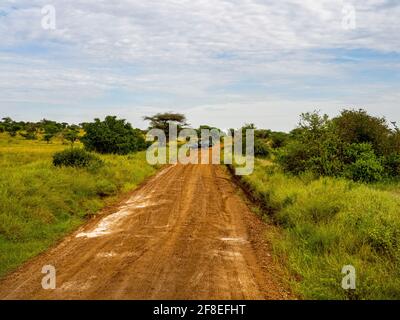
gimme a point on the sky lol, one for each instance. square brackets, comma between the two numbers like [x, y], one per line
[220, 62]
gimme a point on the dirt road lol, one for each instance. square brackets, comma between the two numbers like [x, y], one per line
[184, 234]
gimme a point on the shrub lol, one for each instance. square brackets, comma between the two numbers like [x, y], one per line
[392, 164]
[112, 136]
[293, 158]
[334, 148]
[75, 158]
[365, 170]
[261, 149]
[357, 126]
[364, 165]
[278, 139]
[105, 188]
[357, 151]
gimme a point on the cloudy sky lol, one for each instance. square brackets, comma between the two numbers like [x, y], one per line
[221, 62]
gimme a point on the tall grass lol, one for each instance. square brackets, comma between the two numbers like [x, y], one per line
[328, 223]
[40, 203]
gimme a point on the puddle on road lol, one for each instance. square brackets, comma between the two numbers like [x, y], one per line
[78, 285]
[235, 240]
[106, 254]
[105, 226]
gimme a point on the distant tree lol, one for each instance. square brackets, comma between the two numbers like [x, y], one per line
[7, 120]
[263, 133]
[10, 126]
[161, 121]
[47, 137]
[50, 128]
[30, 131]
[211, 130]
[71, 135]
[112, 136]
[250, 126]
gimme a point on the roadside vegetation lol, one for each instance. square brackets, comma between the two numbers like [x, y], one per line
[48, 187]
[328, 223]
[331, 186]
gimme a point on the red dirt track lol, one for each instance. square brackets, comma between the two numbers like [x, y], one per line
[186, 233]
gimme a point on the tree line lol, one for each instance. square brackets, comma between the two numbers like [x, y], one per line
[44, 129]
[354, 145]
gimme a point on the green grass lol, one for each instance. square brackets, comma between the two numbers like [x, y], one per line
[40, 203]
[328, 223]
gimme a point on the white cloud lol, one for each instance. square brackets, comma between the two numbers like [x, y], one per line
[189, 54]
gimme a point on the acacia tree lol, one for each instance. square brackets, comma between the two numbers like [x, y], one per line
[11, 126]
[50, 128]
[71, 134]
[162, 120]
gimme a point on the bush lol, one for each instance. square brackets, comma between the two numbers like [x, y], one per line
[261, 149]
[293, 158]
[364, 165]
[75, 158]
[357, 126]
[278, 139]
[318, 146]
[365, 170]
[112, 136]
[392, 165]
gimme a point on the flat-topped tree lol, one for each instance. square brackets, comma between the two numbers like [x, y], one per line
[161, 121]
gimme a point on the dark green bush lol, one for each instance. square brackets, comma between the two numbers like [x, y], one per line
[76, 158]
[365, 170]
[363, 165]
[357, 126]
[293, 158]
[392, 165]
[334, 148]
[112, 136]
[261, 149]
[278, 139]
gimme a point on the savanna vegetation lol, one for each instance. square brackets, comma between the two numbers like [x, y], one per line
[51, 182]
[331, 187]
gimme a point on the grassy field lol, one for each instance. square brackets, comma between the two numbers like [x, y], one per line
[329, 223]
[40, 203]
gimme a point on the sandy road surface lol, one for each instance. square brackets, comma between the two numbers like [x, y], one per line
[185, 234]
